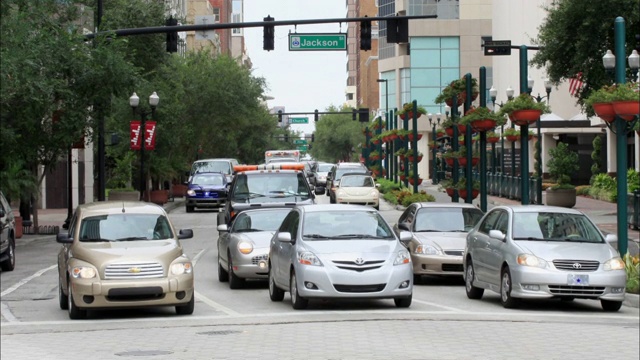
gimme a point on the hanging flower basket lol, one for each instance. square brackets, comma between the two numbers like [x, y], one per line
[412, 181]
[375, 141]
[449, 161]
[525, 117]
[483, 125]
[493, 140]
[440, 134]
[410, 136]
[462, 161]
[605, 111]
[627, 110]
[403, 177]
[512, 138]
[412, 158]
[461, 97]
[449, 131]
[463, 193]
[450, 191]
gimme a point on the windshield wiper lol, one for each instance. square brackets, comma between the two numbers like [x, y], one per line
[96, 240]
[130, 238]
[360, 236]
[575, 239]
[316, 236]
[530, 238]
[248, 230]
[429, 230]
[249, 195]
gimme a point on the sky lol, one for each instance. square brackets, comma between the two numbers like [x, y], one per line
[301, 81]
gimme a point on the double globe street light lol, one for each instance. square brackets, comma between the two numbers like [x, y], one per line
[493, 94]
[134, 101]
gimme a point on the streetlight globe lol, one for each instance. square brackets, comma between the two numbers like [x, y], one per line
[447, 109]
[634, 60]
[609, 60]
[154, 99]
[547, 84]
[510, 93]
[134, 100]
[530, 83]
[493, 93]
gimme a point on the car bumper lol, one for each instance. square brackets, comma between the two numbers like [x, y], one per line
[96, 294]
[368, 202]
[553, 283]
[206, 203]
[437, 265]
[382, 283]
[249, 266]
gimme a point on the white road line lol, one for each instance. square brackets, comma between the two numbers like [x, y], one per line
[197, 257]
[26, 280]
[440, 306]
[215, 305]
[7, 314]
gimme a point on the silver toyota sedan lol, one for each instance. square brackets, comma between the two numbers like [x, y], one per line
[339, 251]
[537, 252]
[243, 247]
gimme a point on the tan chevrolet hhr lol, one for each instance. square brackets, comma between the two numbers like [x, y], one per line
[123, 255]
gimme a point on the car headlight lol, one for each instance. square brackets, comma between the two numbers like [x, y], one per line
[531, 260]
[181, 268]
[402, 258]
[83, 272]
[191, 192]
[427, 250]
[245, 247]
[374, 194]
[613, 264]
[308, 258]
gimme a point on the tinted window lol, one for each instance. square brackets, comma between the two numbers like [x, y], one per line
[223, 166]
[208, 179]
[270, 186]
[555, 226]
[259, 220]
[356, 181]
[447, 219]
[489, 222]
[324, 167]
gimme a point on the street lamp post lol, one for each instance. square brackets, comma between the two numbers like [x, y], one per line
[547, 87]
[434, 151]
[493, 93]
[388, 125]
[134, 101]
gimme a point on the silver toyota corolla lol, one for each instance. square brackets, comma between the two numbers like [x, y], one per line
[538, 252]
[338, 251]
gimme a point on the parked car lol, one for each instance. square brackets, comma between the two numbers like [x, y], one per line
[123, 255]
[338, 251]
[206, 190]
[334, 176]
[358, 189]
[243, 247]
[439, 232]
[536, 252]
[7, 236]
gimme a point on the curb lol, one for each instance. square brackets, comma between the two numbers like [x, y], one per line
[631, 300]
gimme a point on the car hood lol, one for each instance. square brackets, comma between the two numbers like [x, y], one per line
[444, 240]
[356, 191]
[552, 250]
[99, 253]
[260, 239]
[339, 249]
[208, 187]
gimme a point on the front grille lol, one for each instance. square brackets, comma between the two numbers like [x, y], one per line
[135, 294]
[576, 290]
[256, 259]
[143, 270]
[359, 288]
[213, 194]
[452, 267]
[454, 252]
[576, 265]
[367, 265]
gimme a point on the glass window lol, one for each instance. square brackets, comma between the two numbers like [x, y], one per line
[356, 181]
[259, 220]
[447, 219]
[208, 179]
[555, 226]
[342, 225]
[124, 227]
[490, 222]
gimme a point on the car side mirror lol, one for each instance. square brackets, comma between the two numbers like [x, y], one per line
[612, 240]
[65, 226]
[497, 234]
[223, 228]
[185, 234]
[405, 238]
[284, 237]
[403, 226]
[64, 238]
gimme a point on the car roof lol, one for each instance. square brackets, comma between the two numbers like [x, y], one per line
[445, 205]
[119, 207]
[334, 207]
[356, 174]
[539, 208]
[349, 164]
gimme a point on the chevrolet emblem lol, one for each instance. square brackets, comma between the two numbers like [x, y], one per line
[134, 270]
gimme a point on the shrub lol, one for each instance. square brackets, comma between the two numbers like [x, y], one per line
[633, 180]
[632, 267]
[391, 198]
[386, 186]
[417, 197]
[582, 190]
[604, 188]
[562, 164]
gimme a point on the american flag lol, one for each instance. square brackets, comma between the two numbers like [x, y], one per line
[575, 84]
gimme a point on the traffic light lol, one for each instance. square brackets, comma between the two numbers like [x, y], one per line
[286, 137]
[315, 115]
[364, 115]
[497, 47]
[313, 138]
[279, 116]
[397, 30]
[353, 115]
[365, 34]
[268, 32]
[172, 36]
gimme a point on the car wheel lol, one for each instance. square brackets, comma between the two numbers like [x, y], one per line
[235, 282]
[190, 209]
[275, 293]
[223, 275]
[403, 302]
[187, 309]
[609, 305]
[417, 279]
[10, 263]
[297, 302]
[75, 312]
[505, 290]
[62, 298]
[472, 291]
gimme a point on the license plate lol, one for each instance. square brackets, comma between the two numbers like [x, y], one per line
[578, 280]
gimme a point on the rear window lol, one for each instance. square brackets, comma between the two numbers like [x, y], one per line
[222, 166]
[270, 186]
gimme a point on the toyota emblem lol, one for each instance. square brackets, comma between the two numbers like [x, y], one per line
[577, 266]
[359, 261]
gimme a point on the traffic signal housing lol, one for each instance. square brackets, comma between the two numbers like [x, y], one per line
[497, 47]
[172, 36]
[364, 115]
[365, 34]
[268, 34]
[397, 30]
[315, 115]
[313, 138]
[279, 116]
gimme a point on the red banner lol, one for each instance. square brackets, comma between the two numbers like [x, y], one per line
[149, 134]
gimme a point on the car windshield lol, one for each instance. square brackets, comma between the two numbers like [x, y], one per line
[259, 220]
[212, 166]
[125, 227]
[324, 167]
[445, 219]
[209, 179]
[340, 172]
[552, 226]
[270, 186]
[341, 225]
[357, 181]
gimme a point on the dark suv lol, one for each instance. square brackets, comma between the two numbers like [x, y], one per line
[255, 187]
[7, 236]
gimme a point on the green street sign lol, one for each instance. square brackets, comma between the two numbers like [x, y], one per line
[299, 120]
[300, 142]
[317, 42]
[302, 147]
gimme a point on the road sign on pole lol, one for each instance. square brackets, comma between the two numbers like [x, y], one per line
[299, 142]
[317, 42]
[299, 120]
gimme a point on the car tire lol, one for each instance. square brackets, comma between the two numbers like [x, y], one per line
[187, 309]
[235, 282]
[62, 298]
[223, 275]
[190, 209]
[610, 305]
[473, 292]
[417, 279]
[297, 302]
[275, 293]
[10, 263]
[75, 313]
[403, 302]
[506, 284]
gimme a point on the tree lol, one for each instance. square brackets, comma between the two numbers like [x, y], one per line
[596, 167]
[574, 37]
[337, 137]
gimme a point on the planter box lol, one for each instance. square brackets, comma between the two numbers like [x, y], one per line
[124, 195]
[561, 197]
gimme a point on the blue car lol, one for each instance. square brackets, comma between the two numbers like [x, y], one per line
[207, 190]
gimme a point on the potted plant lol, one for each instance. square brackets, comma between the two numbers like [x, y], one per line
[402, 133]
[562, 164]
[407, 111]
[374, 155]
[448, 186]
[375, 169]
[412, 179]
[524, 109]
[626, 100]
[378, 123]
[448, 125]
[411, 155]
[482, 119]
[459, 89]
[600, 102]
[492, 137]
[461, 186]
[511, 134]
[462, 156]
[376, 139]
[400, 153]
